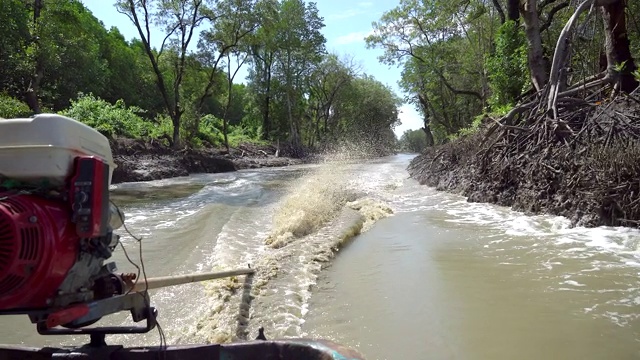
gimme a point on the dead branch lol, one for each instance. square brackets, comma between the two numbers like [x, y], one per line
[562, 48]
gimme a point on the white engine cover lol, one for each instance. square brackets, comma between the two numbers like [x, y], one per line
[43, 148]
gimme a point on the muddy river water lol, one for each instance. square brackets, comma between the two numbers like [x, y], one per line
[359, 254]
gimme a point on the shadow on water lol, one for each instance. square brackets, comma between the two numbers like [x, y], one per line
[142, 195]
[242, 188]
[244, 309]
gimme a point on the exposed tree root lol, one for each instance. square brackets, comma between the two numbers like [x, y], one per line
[583, 164]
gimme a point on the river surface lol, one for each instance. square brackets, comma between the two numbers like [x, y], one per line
[359, 254]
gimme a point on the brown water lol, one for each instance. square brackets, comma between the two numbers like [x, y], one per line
[428, 277]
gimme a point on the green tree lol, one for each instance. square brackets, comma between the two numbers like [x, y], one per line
[413, 141]
[14, 37]
[50, 51]
[439, 43]
[180, 19]
[301, 47]
[327, 85]
[234, 22]
[129, 75]
[507, 66]
[263, 54]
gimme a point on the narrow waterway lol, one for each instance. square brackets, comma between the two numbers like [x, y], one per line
[359, 254]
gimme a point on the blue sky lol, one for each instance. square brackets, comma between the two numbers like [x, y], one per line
[347, 23]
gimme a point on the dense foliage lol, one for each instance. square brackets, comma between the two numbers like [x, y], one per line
[465, 58]
[13, 108]
[413, 141]
[176, 81]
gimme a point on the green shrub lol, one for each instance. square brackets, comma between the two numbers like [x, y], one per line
[471, 129]
[109, 119]
[508, 67]
[162, 129]
[240, 134]
[210, 130]
[13, 108]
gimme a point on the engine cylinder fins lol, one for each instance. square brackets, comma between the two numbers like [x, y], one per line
[36, 249]
[10, 282]
[16, 246]
[7, 244]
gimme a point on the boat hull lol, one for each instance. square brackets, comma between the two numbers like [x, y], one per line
[291, 349]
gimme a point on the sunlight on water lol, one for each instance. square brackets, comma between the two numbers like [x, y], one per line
[358, 253]
[316, 215]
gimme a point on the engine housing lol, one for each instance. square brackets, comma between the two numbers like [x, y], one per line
[38, 247]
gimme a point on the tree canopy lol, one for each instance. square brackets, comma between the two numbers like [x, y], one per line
[177, 81]
[462, 58]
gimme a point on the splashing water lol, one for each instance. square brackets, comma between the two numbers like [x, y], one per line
[310, 204]
[320, 212]
[290, 223]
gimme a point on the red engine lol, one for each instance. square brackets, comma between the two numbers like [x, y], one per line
[38, 247]
[52, 245]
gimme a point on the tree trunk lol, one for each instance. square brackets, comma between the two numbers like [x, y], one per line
[225, 131]
[293, 135]
[498, 7]
[427, 131]
[535, 54]
[617, 46]
[225, 121]
[426, 128]
[175, 119]
[560, 55]
[31, 95]
[266, 122]
[513, 12]
[31, 98]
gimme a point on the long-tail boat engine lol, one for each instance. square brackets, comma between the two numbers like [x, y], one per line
[56, 228]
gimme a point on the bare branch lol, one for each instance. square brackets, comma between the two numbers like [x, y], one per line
[496, 4]
[171, 32]
[552, 12]
[544, 4]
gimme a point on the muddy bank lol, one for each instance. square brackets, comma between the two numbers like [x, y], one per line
[586, 166]
[138, 160]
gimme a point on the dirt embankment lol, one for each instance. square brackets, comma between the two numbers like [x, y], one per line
[584, 166]
[138, 160]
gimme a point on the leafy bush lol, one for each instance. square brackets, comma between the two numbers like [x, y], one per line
[110, 119]
[240, 134]
[471, 129]
[210, 130]
[162, 129]
[508, 68]
[119, 120]
[13, 108]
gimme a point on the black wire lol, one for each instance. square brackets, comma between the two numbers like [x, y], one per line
[18, 193]
[132, 263]
[163, 339]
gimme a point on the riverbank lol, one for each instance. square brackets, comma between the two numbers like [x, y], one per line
[584, 167]
[138, 160]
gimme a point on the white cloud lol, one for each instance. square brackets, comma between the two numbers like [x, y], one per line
[361, 9]
[353, 37]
